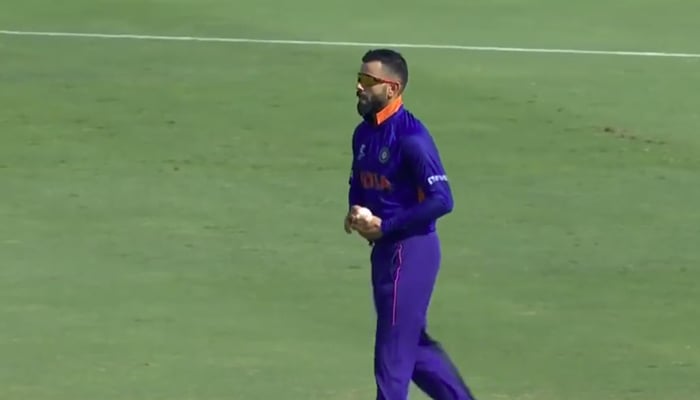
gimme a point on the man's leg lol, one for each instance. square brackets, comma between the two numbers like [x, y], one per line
[395, 354]
[403, 277]
[435, 373]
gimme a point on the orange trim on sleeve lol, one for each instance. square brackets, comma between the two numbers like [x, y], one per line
[389, 110]
[421, 195]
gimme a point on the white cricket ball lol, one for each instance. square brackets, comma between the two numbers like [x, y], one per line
[364, 213]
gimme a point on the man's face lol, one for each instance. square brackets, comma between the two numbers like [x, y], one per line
[375, 88]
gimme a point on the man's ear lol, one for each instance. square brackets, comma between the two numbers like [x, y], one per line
[395, 90]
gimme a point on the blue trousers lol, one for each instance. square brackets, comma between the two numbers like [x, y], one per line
[403, 277]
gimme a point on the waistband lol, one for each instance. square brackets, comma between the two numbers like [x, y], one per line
[403, 235]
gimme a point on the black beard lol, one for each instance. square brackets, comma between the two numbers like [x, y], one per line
[368, 108]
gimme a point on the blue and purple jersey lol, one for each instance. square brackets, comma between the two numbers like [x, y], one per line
[397, 173]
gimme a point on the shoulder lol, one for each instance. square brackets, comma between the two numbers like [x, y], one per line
[412, 128]
[359, 127]
[357, 132]
[414, 135]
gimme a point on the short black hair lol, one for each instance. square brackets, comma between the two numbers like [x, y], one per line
[392, 60]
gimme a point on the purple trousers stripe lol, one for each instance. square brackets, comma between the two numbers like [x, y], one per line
[403, 278]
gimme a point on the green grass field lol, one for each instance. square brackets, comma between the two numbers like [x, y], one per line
[171, 212]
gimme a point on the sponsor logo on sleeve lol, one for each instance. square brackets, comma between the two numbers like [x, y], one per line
[436, 178]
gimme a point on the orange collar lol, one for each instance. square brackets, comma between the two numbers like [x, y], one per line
[391, 109]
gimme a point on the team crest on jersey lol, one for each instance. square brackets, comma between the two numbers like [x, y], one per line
[384, 155]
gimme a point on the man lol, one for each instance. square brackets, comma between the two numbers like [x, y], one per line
[397, 173]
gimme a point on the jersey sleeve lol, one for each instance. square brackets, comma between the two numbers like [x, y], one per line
[421, 157]
[355, 190]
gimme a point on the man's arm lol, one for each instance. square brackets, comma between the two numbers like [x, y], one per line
[355, 190]
[421, 156]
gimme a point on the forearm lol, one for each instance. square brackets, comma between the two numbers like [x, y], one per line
[423, 213]
[354, 197]
[354, 191]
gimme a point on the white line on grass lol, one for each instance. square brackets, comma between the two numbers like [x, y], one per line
[347, 44]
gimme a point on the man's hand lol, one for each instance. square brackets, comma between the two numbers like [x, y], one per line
[348, 223]
[350, 219]
[369, 229]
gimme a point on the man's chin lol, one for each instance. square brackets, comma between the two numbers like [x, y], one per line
[362, 108]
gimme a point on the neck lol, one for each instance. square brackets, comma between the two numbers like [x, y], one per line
[387, 112]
